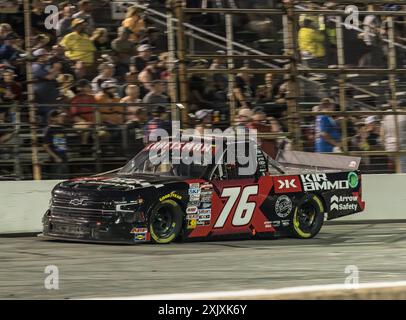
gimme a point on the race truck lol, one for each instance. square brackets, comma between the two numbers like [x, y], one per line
[152, 201]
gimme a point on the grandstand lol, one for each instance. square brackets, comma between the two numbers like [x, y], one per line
[278, 66]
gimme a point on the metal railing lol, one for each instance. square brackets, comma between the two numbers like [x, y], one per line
[180, 54]
[290, 15]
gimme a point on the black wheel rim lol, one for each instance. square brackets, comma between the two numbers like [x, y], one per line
[306, 217]
[163, 223]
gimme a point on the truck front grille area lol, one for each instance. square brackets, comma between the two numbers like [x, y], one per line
[80, 215]
[79, 223]
[85, 219]
[80, 209]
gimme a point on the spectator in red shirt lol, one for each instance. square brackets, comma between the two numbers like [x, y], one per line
[10, 90]
[83, 116]
[260, 123]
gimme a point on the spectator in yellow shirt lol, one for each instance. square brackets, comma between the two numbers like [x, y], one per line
[77, 44]
[134, 22]
[311, 43]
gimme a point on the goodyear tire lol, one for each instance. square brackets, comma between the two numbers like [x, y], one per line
[308, 218]
[165, 222]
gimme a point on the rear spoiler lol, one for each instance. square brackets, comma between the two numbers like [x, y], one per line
[319, 160]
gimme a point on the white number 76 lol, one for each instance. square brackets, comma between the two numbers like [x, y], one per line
[243, 212]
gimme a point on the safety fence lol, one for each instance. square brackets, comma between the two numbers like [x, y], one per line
[97, 146]
[360, 68]
[263, 65]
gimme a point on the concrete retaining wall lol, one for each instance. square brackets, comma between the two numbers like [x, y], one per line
[385, 197]
[22, 205]
[24, 202]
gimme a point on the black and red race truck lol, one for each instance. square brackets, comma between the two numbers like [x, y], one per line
[145, 201]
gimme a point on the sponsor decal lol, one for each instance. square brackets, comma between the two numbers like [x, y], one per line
[182, 145]
[206, 199]
[283, 206]
[268, 224]
[278, 223]
[193, 204]
[173, 194]
[192, 216]
[343, 203]
[191, 224]
[203, 222]
[204, 214]
[139, 230]
[204, 217]
[140, 234]
[206, 193]
[319, 181]
[191, 209]
[204, 211]
[262, 167]
[206, 205]
[207, 186]
[286, 184]
[194, 197]
[353, 179]
[194, 185]
[194, 191]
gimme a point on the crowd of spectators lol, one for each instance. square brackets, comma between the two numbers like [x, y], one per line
[84, 77]
[81, 67]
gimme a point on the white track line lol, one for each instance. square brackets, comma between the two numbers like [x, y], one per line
[256, 292]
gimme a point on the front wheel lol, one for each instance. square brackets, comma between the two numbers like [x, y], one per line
[308, 218]
[165, 222]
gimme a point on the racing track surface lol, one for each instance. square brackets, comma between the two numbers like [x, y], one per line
[95, 270]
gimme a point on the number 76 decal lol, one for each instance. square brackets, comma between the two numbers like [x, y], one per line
[245, 209]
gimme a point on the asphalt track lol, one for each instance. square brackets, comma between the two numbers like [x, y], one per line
[96, 270]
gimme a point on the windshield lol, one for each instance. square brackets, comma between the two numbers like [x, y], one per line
[187, 164]
[145, 164]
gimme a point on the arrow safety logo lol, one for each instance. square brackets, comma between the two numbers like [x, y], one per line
[343, 203]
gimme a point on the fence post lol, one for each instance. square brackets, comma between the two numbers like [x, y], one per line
[290, 34]
[341, 82]
[36, 167]
[172, 86]
[230, 65]
[392, 86]
[180, 35]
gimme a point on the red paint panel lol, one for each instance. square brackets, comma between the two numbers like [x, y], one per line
[257, 223]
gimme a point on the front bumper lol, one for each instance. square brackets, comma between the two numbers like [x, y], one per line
[93, 231]
[68, 239]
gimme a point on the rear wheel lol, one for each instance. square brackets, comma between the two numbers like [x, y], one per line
[165, 222]
[308, 218]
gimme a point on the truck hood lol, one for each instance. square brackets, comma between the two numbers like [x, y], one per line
[117, 183]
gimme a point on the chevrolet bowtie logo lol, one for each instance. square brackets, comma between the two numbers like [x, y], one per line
[334, 203]
[76, 202]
